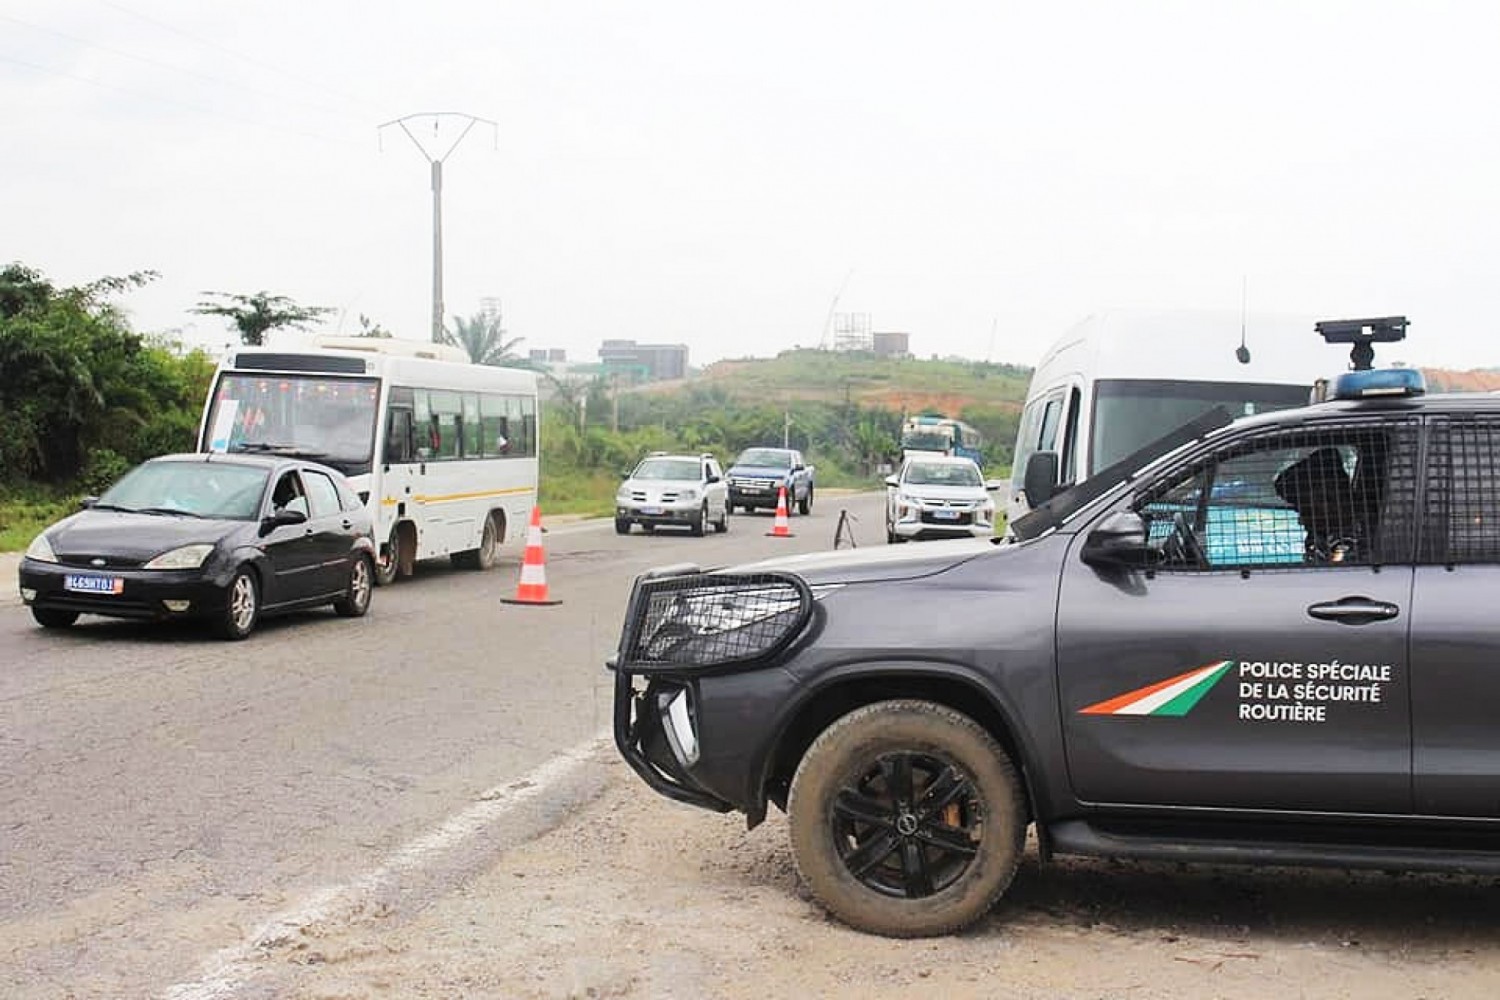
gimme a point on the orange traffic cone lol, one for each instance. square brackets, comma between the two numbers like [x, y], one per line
[783, 526]
[533, 586]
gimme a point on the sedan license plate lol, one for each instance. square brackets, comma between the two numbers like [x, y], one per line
[651, 511]
[945, 515]
[94, 584]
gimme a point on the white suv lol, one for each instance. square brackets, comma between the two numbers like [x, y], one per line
[684, 490]
[938, 496]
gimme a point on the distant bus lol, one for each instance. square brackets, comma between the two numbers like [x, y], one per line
[942, 436]
[443, 452]
[1118, 381]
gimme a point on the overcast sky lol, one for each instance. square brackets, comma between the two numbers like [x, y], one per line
[980, 175]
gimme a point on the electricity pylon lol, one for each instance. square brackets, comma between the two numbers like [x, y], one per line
[436, 163]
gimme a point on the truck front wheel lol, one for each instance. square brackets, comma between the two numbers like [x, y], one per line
[906, 819]
[805, 504]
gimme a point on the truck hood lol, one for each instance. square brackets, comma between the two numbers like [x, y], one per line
[885, 562]
[974, 494]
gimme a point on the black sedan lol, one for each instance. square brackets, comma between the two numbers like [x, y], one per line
[217, 537]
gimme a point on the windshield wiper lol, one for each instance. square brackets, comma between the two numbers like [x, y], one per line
[177, 511]
[111, 506]
[279, 449]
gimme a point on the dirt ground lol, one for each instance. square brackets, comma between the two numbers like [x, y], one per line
[635, 896]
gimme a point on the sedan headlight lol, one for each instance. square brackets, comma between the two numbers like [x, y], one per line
[41, 550]
[187, 557]
[712, 620]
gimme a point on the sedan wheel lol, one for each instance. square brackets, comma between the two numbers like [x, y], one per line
[54, 618]
[241, 609]
[356, 599]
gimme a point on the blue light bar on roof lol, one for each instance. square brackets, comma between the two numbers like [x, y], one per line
[1379, 382]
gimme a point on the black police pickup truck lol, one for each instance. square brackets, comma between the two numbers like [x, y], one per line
[1276, 643]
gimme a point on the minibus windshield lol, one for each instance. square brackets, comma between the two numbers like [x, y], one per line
[1130, 413]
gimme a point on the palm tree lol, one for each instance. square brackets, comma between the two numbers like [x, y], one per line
[483, 338]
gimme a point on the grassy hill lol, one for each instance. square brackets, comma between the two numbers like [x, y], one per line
[912, 386]
[904, 385]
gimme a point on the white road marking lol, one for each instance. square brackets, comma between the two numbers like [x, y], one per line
[231, 969]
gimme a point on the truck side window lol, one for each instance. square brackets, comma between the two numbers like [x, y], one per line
[1461, 520]
[1312, 497]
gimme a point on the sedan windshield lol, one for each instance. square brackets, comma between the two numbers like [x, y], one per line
[942, 474]
[198, 489]
[668, 468]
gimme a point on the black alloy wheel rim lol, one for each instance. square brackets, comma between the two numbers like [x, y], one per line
[908, 825]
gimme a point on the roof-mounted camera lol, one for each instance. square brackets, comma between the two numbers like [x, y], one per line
[1363, 334]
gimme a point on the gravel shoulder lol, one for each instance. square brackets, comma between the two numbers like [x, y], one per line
[635, 896]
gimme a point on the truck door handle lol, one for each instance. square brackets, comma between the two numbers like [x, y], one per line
[1354, 611]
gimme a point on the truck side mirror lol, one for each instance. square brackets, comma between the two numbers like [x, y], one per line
[1120, 541]
[1040, 480]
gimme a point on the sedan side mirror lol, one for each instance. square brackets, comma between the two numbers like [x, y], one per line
[1041, 477]
[1120, 541]
[284, 516]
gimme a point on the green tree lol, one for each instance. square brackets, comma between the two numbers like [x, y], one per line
[78, 387]
[482, 337]
[255, 315]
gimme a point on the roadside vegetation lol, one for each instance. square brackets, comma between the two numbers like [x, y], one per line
[83, 397]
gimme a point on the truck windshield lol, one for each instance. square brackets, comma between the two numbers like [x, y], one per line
[766, 458]
[1130, 413]
[331, 420]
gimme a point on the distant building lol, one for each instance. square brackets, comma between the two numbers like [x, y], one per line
[644, 362]
[891, 345]
[549, 356]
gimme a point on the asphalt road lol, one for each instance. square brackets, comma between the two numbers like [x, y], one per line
[163, 793]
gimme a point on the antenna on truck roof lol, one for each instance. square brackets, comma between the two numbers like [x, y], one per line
[1242, 353]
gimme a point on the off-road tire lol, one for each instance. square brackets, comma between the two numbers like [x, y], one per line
[358, 589]
[804, 506]
[622, 526]
[936, 743]
[700, 523]
[722, 524]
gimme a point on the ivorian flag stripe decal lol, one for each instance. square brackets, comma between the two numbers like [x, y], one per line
[1173, 696]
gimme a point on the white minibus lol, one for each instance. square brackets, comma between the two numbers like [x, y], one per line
[1120, 380]
[443, 452]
